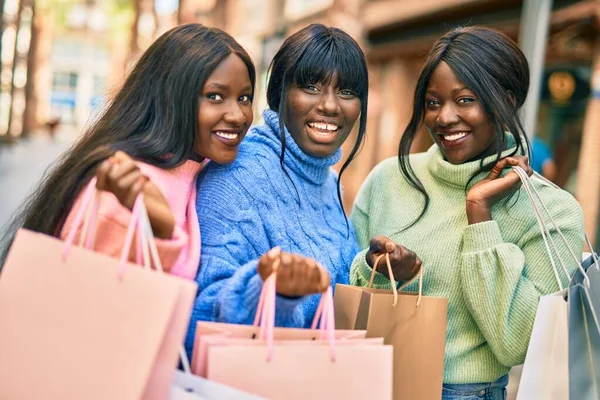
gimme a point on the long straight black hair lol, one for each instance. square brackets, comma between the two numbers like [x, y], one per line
[314, 55]
[495, 69]
[153, 115]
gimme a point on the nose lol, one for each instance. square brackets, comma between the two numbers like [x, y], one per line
[235, 115]
[329, 103]
[447, 115]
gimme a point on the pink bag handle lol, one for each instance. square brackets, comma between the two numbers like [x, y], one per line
[88, 197]
[265, 314]
[90, 205]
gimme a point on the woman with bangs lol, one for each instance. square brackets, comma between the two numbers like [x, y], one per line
[280, 200]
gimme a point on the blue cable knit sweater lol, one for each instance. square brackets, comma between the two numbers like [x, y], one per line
[250, 206]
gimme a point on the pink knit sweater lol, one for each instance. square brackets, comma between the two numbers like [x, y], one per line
[181, 254]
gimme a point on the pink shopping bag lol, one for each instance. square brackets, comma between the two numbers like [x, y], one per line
[77, 324]
[298, 367]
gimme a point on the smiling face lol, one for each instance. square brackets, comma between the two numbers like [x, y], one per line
[225, 111]
[456, 119]
[320, 116]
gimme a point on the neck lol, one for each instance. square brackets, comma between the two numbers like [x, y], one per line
[313, 169]
[460, 174]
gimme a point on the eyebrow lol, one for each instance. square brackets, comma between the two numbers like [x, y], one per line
[460, 89]
[433, 92]
[216, 85]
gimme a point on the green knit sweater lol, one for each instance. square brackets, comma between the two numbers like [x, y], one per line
[492, 273]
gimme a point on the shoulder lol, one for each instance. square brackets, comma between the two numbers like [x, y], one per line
[386, 168]
[186, 171]
[378, 179]
[560, 203]
[388, 171]
[239, 183]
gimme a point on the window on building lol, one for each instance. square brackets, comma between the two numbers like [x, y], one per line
[64, 81]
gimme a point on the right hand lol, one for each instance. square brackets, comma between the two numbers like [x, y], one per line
[405, 263]
[296, 275]
[121, 176]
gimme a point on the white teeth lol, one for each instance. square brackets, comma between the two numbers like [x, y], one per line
[324, 126]
[455, 136]
[226, 135]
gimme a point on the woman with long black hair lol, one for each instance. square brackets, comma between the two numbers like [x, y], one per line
[459, 208]
[187, 99]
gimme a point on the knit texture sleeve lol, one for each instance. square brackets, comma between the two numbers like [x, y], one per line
[360, 271]
[502, 282]
[233, 239]
[112, 222]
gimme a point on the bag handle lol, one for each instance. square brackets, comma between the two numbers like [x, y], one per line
[546, 236]
[534, 195]
[587, 238]
[395, 290]
[88, 213]
[146, 249]
[147, 252]
[265, 314]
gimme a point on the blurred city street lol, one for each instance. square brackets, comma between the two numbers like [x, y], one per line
[23, 164]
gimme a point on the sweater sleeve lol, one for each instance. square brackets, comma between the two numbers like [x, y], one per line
[233, 239]
[502, 281]
[360, 271]
[111, 228]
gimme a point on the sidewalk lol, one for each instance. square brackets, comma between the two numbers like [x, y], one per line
[23, 164]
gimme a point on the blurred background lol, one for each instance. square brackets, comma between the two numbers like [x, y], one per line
[62, 60]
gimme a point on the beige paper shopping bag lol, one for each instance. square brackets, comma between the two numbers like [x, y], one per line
[415, 326]
[81, 325]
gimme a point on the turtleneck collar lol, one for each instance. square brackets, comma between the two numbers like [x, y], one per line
[314, 169]
[459, 175]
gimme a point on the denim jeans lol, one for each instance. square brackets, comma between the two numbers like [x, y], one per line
[476, 391]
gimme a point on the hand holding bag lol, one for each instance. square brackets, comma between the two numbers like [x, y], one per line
[300, 368]
[77, 324]
[414, 324]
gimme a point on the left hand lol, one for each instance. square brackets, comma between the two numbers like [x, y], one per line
[493, 188]
[121, 176]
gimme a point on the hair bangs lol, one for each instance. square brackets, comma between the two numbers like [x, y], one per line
[321, 62]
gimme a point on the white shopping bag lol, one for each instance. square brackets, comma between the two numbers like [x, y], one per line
[546, 369]
[191, 387]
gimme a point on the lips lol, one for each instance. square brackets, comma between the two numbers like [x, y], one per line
[230, 137]
[453, 138]
[324, 132]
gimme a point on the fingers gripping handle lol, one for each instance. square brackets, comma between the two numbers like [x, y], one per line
[265, 314]
[393, 281]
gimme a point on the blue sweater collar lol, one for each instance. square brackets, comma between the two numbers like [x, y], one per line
[314, 169]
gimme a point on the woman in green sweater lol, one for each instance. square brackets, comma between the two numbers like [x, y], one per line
[459, 209]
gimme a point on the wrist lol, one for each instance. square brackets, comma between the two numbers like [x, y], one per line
[478, 212]
[162, 221]
[163, 231]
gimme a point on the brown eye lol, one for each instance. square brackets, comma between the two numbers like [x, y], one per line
[214, 96]
[245, 99]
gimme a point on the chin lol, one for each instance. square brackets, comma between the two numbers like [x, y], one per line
[320, 151]
[223, 158]
[455, 159]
